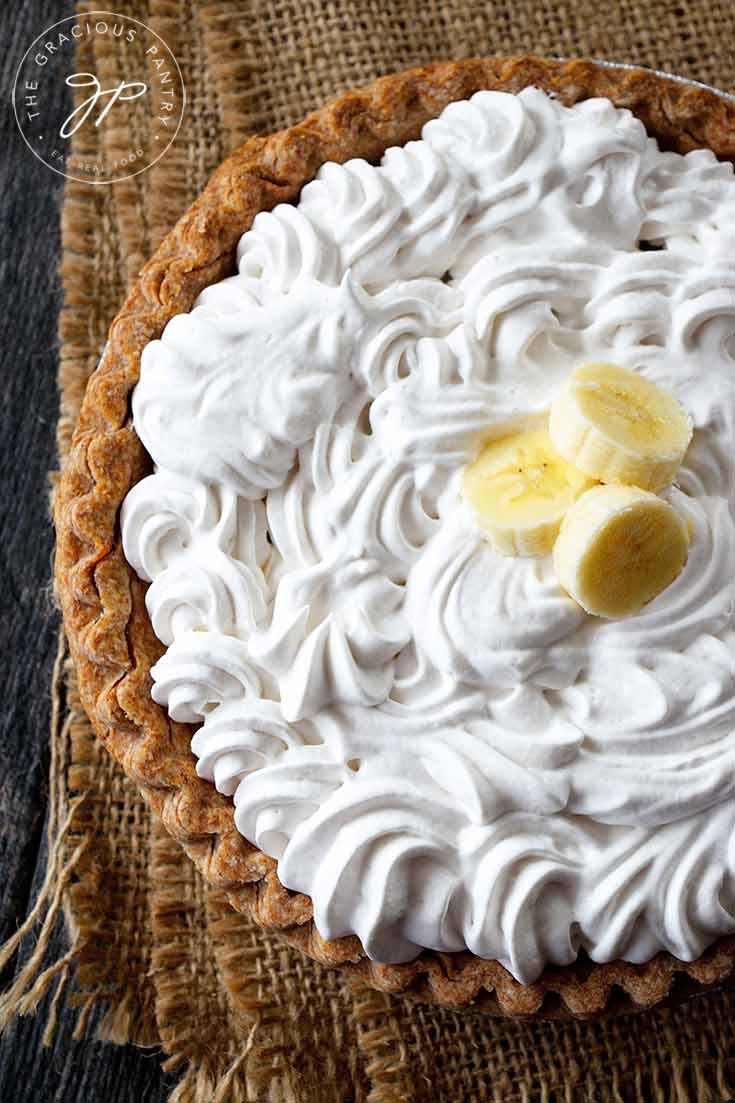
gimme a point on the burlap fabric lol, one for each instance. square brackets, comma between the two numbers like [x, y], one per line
[244, 1017]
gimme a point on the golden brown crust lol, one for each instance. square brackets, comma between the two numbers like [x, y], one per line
[109, 632]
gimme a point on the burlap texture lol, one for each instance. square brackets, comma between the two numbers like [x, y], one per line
[244, 1017]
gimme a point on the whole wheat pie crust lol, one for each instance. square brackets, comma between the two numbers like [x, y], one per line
[110, 635]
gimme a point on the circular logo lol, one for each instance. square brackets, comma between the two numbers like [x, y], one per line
[124, 103]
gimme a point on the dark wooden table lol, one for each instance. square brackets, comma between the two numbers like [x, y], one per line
[30, 196]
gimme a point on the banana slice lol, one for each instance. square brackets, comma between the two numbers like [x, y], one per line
[619, 546]
[520, 488]
[618, 427]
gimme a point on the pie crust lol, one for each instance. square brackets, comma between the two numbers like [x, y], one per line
[110, 635]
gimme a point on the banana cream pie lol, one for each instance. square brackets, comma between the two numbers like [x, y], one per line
[431, 621]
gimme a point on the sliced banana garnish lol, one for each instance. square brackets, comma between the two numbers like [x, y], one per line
[618, 547]
[619, 427]
[520, 488]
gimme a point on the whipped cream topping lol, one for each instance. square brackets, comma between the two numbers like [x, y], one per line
[437, 745]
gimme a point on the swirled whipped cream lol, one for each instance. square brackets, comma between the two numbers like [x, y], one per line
[437, 745]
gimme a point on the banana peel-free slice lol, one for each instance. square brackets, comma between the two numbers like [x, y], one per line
[618, 427]
[618, 548]
[519, 488]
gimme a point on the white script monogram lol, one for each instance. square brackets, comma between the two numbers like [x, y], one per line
[124, 91]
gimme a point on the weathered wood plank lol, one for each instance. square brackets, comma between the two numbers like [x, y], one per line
[76, 1072]
[29, 200]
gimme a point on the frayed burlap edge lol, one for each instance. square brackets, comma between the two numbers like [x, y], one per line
[32, 980]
